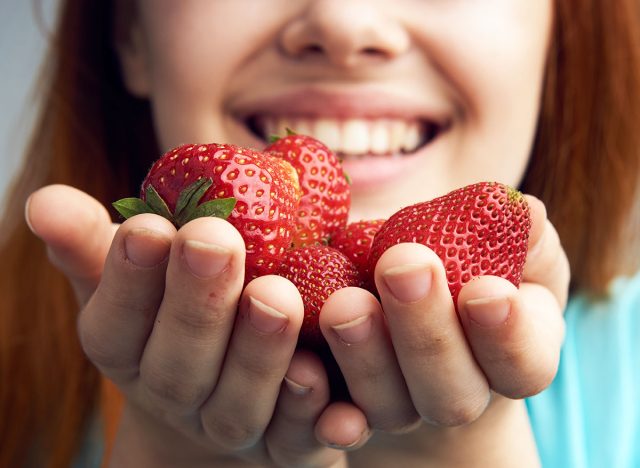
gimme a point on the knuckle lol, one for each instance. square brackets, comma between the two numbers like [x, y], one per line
[548, 257]
[255, 367]
[169, 389]
[196, 323]
[370, 371]
[285, 456]
[431, 343]
[119, 304]
[98, 351]
[458, 412]
[523, 371]
[541, 381]
[516, 357]
[530, 384]
[231, 433]
[398, 423]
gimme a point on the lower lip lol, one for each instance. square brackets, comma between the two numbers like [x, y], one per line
[371, 172]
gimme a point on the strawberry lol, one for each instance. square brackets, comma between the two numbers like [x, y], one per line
[317, 271]
[325, 201]
[258, 193]
[480, 229]
[355, 242]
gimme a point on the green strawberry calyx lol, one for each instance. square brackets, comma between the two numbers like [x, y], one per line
[514, 195]
[274, 138]
[188, 206]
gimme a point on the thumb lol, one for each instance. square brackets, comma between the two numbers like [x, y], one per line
[77, 230]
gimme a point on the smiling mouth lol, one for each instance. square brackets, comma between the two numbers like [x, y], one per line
[353, 138]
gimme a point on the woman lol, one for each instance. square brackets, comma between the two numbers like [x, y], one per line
[542, 96]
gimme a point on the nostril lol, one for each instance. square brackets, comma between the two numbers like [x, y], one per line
[372, 51]
[317, 49]
[313, 48]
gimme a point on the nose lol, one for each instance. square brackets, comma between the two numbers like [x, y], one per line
[347, 33]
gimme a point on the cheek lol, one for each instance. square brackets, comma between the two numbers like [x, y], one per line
[193, 53]
[494, 59]
[497, 62]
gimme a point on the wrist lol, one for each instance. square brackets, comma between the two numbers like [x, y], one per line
[501, 437]
[143, 441]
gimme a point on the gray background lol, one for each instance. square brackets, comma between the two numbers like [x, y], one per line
[22, 45]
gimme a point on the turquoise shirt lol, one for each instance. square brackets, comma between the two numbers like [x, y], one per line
[590, 415]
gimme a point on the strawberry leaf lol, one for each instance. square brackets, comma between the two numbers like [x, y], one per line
[129, 207]
[347, 177]
[273, 138]
[157, 204]
[218, 208]
[189, 198]
[290, 132]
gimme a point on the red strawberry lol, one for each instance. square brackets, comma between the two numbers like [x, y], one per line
[355, 242]
[257, 192]
[325, 201]
[317, 271]
[481, 229]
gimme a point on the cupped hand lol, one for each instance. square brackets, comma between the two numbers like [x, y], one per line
[209, 370]
[412, 358]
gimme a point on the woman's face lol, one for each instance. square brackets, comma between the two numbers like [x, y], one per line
[417, 96]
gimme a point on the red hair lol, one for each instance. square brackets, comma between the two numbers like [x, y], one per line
[585, 166]
[586, 160]
[48, 390]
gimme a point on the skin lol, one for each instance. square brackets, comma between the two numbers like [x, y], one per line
[202, 363]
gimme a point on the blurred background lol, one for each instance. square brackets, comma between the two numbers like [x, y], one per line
[24, 25]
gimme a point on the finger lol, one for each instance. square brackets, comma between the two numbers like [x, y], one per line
[290, 437]
[547, 263]
[353, 324]
[77, 230]
[342, 426]
[183, 357]
[263, 342]
[515, 335]
[115, 324]
[446, 385]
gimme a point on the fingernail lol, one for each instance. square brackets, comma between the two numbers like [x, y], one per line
[296, 388]
[266, 319]
[349, 445]
[409, 283]
[489, 312]
[354, 331]
[337, 446]
[146, 248]
[205, 260]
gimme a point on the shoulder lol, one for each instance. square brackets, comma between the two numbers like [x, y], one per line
[603, 338]
[625, 293]
[616, 316]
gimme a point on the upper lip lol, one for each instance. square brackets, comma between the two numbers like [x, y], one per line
[313, 102]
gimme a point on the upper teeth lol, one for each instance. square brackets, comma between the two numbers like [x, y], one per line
[353, 136]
